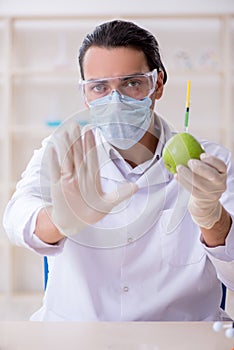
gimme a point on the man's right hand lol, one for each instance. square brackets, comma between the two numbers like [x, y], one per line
[77, 196]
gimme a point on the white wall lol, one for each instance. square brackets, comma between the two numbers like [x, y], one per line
[114, 7]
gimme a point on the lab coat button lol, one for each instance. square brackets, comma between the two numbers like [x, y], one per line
[125, 289]
[130, 239]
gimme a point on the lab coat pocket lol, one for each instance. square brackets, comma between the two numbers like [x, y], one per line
[180, 238]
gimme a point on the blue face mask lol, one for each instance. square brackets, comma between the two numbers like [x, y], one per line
[123, 120]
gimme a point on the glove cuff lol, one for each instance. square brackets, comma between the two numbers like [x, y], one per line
[207, 218]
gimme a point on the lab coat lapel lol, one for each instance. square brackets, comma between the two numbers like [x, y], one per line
[110, 171]
[155, 175]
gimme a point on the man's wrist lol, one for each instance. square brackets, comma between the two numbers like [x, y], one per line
[45, 229]
[216, 235]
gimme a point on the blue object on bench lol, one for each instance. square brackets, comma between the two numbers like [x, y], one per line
[46, 271]
[223, 302]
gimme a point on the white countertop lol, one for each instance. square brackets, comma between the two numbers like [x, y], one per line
[112, 336]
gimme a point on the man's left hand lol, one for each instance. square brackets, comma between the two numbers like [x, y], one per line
[205, 179]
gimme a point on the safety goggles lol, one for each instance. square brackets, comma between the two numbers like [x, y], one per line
[137, 86]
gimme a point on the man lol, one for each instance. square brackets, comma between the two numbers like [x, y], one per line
[126, 240]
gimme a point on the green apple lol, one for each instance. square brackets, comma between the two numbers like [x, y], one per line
[179, 149]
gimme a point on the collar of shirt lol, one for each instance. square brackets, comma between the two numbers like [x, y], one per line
[113, 165]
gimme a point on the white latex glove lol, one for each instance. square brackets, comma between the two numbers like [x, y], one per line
[77, 196]
[206, 180]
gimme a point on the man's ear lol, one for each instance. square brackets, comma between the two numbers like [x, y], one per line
[159, 85]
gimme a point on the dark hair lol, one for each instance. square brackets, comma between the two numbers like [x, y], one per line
[118, 33]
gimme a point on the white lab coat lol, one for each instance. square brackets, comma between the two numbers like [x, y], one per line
[142, 262]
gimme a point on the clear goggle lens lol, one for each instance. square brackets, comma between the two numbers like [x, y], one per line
[137, 86]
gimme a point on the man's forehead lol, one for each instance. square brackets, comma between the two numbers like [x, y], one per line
[102, 62]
